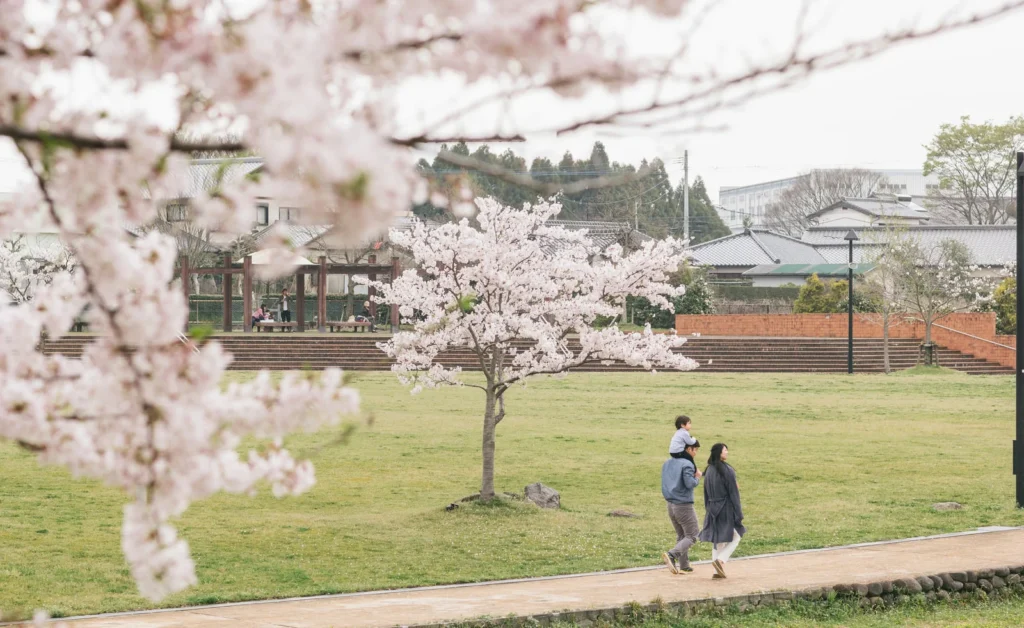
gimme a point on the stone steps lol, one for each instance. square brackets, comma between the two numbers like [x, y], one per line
[714, 354]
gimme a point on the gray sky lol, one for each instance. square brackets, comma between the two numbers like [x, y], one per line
[876, 114]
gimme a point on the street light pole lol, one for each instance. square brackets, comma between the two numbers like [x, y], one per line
[1018, 444]
[850, 237]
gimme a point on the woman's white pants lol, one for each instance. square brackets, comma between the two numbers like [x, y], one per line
[722, 551]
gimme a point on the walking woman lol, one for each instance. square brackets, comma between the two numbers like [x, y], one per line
[723, 515]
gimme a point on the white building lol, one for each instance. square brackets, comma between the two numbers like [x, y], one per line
[867, 212]
[737, 202]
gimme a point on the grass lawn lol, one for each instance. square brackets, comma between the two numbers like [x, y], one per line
[822, 460]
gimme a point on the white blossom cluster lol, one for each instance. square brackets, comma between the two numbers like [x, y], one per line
[515, 291]
[312, 87]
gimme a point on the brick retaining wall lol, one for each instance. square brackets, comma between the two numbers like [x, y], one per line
[980, 324]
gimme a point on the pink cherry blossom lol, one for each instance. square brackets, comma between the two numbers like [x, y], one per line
[524, 297]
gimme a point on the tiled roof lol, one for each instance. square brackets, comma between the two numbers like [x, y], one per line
[602, 234]
[754, 247]
[806, 270]
[840, 253]
[204, 174]
[298, 235]
[878, 208]
[990, 245]
[789, 249]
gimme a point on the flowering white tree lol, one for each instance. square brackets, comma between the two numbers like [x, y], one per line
[524, 297]
[934, 281]
[23, 268]
[315, 88]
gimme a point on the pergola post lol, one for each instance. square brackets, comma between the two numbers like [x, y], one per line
[300, 300]
[186, 279]
[396, 270]
[228, 280]
[247, 294]
[371, 292]
[321, 295]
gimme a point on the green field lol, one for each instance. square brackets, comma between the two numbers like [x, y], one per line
[822, 460]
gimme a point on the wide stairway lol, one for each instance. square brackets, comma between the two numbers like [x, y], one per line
[283, 351]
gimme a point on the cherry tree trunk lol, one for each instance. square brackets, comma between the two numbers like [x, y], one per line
[885, 343]
[487, 478]
[929, 347]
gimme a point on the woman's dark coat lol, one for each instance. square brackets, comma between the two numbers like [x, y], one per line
[722, 509]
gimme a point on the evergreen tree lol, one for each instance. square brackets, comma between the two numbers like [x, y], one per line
[705, 223]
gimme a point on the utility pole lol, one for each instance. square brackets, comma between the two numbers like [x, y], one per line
[686, 195]
[636, 215]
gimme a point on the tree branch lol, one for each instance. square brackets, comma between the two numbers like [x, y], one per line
[403, 46]
[795, 65]
[97, 143]
[427, 139]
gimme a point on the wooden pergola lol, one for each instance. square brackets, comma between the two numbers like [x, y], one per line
[322, 269]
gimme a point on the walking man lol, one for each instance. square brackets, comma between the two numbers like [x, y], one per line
[679, 476]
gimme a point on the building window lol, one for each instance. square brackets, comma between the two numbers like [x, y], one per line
[178, 212]
[263, 214]
[290, 214]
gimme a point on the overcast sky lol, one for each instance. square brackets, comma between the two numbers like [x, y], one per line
[875, 114]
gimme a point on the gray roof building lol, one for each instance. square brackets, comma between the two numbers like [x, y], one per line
[602, 234]
[754, 247]
[878, 208]
[206, 174]
[990, 245]
[731, 256]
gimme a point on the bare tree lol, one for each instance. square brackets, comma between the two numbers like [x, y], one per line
[193, 241]
[882, 284]
[816, 190]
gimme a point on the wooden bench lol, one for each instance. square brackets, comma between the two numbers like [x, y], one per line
[268, 326]
[343, 325]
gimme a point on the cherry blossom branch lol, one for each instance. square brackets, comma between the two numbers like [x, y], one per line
[73, 140]
[402, 46]
[455, 139]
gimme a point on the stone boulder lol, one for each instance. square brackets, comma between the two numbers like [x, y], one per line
[543, 496]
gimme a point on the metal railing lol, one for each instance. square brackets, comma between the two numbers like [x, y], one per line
[186, 341]
[964, 333]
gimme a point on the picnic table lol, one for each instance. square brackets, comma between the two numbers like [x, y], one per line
[269, 326]
[343, 325]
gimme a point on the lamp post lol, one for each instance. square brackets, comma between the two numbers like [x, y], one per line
[1018, 444]
[850, 237]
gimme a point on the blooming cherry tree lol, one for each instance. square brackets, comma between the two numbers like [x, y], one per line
[934, 281]
[524, 297]
[23, 268]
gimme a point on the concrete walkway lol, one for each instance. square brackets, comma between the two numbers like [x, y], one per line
[985, 549]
